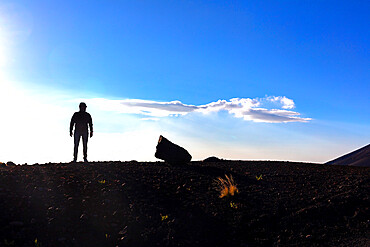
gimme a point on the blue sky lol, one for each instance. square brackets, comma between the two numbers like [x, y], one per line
[298, 72]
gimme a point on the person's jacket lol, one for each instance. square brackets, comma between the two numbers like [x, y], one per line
[81, 119]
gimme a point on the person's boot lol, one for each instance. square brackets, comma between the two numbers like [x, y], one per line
[85, 160]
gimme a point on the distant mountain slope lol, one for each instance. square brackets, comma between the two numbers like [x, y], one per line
[360, 157]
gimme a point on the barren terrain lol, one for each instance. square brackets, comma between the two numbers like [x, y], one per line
[154, 204]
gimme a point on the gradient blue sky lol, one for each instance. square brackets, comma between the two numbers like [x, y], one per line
[138, 57]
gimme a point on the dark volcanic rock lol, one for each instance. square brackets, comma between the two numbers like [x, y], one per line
[359, 157]
[171, 153]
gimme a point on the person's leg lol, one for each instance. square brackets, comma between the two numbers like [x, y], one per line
[84, 141]
[77, 138]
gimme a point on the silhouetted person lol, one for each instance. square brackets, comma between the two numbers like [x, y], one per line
[81, 119]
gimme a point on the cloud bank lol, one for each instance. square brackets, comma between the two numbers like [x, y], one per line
[271, 109]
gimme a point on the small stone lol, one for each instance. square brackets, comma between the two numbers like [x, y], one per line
[83, 217]
[16, 223]
[10, 163]
[123, 231]
[212, 159]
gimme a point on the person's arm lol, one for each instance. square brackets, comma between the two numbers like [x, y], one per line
[71, 124]
[91, 126]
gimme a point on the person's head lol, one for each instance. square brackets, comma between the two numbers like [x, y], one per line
[82, 106]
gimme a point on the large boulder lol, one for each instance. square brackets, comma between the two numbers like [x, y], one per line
[171, 153]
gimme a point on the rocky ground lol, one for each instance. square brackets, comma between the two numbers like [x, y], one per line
[154, 204]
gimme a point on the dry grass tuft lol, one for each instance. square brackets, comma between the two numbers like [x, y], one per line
[227, 187]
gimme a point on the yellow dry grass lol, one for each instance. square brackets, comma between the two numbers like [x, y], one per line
[227, 187]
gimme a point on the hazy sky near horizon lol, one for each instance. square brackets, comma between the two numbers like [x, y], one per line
[277, 80]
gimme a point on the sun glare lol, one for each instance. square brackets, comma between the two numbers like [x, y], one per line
[3, 55]
[4, 39]
[26, 127]
[16, 24]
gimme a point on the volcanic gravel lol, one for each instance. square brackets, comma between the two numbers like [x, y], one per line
[155, 204]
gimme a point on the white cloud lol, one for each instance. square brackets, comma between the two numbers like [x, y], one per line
[257, 110]
[284, 101]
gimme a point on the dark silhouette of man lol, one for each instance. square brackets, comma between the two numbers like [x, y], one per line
[81, 120]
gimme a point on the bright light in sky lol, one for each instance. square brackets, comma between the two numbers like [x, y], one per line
[2, 53]
[248, 80]
[3, 41]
